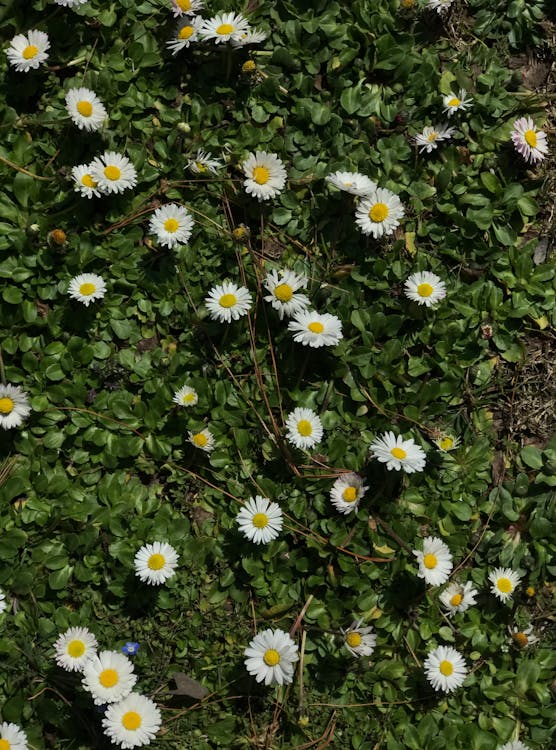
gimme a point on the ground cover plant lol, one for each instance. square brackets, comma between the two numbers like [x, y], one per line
[277, 393]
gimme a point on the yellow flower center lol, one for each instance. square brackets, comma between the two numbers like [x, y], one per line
[446, 668]
[112, 173]
[186, 32]
[200, 166]
[131, 720]
[424, 290]
[456, 600]
[353, 639]
[87, 289]
[88, 181]
[316, 327]
[261, 175]
[408, 3]
[5, 744]
[521, 639]
[76, 649]
[30, 51]
[260, 520]
[156, 561]
[171, 225]
[531, 138]
[108, 678]
[350, 494]
[398, 453]
[304, 427]
[430, 561]
[446, 443]
[199, 440]
[184, 4]
[283, 292]
[6, 405]
[454, 102]
[227, 300]
[504, 585]
[378, 212]
[249, 66]
[271, 657]
[432, 137]
[224, 29]
[85, 108]
[530, 591]
[188, 398]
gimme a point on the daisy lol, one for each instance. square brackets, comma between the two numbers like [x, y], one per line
[87, 287]
[14, 406]
[83, 181]
[85, 109]
[359, 641]
[3, 603]
[265, 175]
[398, 453]
[379, 213]
[203, 162]
[224, 27]
[28, 51]
[504, 582]
[430, 137]
[172, 225]
[453, 103]
[514, 745]
[12, 737]
[435, 561]
[228, 301]
[271, 656]
[183, 7]
[439, 5]
[155, 563]
[186, 396]
[457, 597]
[249, 36]
[523, 638]
[204, 440]
[314, 330]
[109, 677]
[70, 3]
[347, 491]
[304, 428]
[446, 443]
[260, 520]
[132, 722]
[113, 172]
[528, 140]
[283, 297]
[74, 648]
[352, 182]
[425, 288]
[445, 668]
[187, 32]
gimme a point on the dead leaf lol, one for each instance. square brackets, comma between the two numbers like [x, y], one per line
[188, 686]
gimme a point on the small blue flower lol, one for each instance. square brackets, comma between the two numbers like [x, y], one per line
[130, 648]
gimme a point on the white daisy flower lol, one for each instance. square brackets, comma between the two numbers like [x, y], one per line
[109, 677]
[271, 656]
[113, 172]
[359, 641]
[83, 181]
[314, 330]
[85, 109]
[398, 453]
[12, 737]
[529, 141]
[185, 7]
[155, 563]
[28, 51]
[260, 520]
[204, 440]
[74, 648]
[379, 213]
[186, 396]
[86, 288]
[446, 443]
[187, 32]
[435, 561]
[453, 103]
[303, 428]
[514, 745]
[70, 3]
[458, 597]
[172, 225]
[265, 175]
[504, 582]
[3, 602]
[228, 301]
[429, 139]
[439, 5]
[132, 722]
[352, 182]
[523, 637]
[249, 36]
[203, 162]
[283, 297]
[224, 27]
[347, 491]
[425, 288]
[14, 406]
[445, 668]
